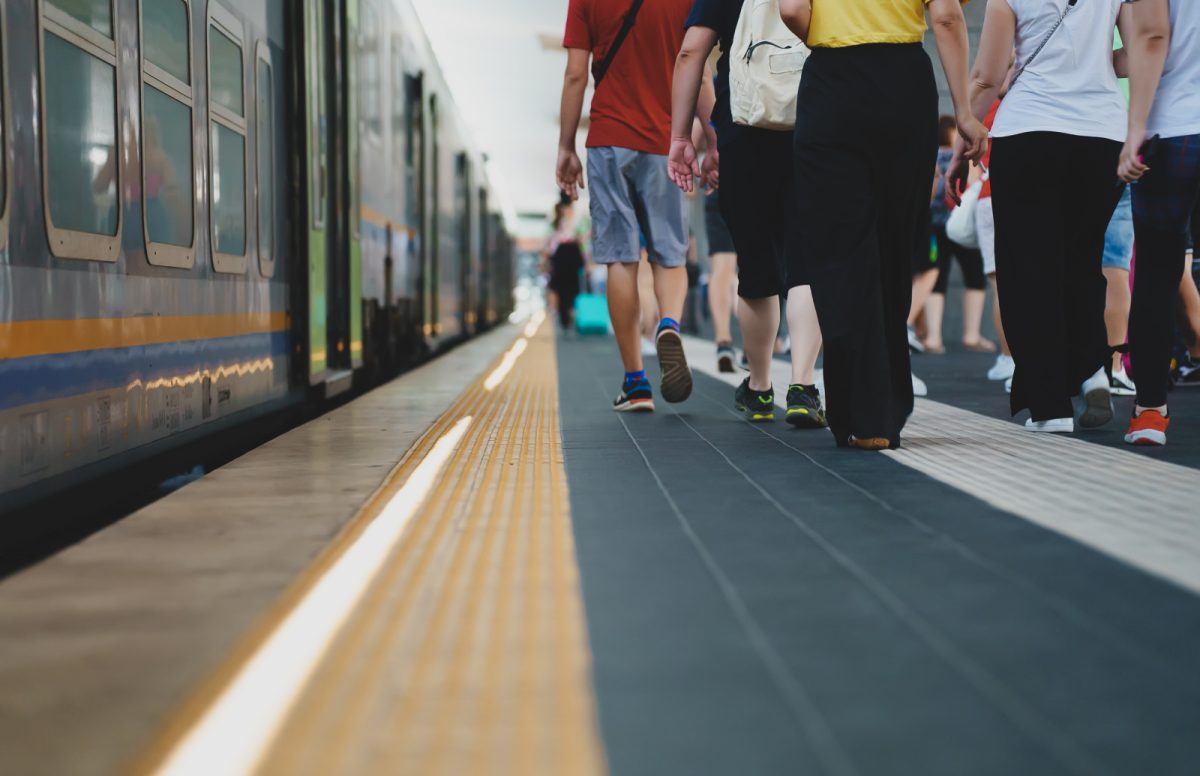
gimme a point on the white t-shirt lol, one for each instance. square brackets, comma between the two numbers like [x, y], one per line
[1176, 111]
[1071, 86]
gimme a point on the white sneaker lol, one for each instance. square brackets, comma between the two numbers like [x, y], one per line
[648, 348]
[1055, 426]
[1008, 385]
[1003, 369]
[914, 342]
[919, 387]
[1093, 406]
[1122, 385]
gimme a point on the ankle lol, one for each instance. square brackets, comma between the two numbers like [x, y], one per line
[1139, 409]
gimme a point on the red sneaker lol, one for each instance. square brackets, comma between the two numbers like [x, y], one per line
[1149, 428]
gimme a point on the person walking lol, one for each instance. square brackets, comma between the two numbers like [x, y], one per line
[722, 277]
[566, 262]
[970, 260]
[1056, 140]
[1167, 189]
[862, 192]
[757, 200]
[631, 48]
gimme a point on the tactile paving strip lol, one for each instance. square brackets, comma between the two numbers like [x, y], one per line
[469, 653]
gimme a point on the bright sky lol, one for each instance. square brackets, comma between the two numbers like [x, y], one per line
[508, 87]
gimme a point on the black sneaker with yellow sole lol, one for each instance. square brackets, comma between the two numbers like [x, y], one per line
[757, 406]
[804, 408]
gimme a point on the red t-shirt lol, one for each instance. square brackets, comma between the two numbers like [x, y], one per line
[988, 120]
[632, 107]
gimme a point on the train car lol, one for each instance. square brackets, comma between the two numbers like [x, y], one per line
[211, 210]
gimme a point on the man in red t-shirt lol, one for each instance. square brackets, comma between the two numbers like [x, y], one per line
[632, 197]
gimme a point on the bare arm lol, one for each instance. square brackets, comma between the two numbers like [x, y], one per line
[797, 15]
[950, 31]
[1146, 29]
[569, 171]
[685, 93]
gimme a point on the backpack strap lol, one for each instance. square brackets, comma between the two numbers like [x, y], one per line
[599, 69]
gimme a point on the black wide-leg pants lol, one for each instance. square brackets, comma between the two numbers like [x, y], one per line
[865, 150]
[1053, 196]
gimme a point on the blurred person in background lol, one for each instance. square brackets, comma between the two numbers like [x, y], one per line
[970, 260]
[565, 263]
[631, 50]
[863, 190]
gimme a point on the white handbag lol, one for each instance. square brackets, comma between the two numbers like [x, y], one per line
[961, 226]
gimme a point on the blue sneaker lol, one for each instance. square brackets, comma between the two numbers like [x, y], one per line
[635, 397]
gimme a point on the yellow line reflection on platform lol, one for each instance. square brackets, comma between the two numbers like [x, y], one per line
[232, 737]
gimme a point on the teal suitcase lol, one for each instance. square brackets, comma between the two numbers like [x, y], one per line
[591, 314]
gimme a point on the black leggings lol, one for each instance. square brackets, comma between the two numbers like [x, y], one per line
[1053, 196]
[970, 259]
[1163, 202]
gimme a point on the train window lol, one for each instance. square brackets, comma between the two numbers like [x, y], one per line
[97, 15]
[227, 134]
[265, 132]
[317, 129]
[80, 149]
[370, 77]
[165, 37]
[168, 181]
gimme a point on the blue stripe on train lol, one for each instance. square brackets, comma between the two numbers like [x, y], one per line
[46, 378]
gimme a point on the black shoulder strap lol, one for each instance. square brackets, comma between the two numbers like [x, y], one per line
[599, 69]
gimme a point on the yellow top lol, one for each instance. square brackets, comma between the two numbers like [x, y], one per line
[841, 23]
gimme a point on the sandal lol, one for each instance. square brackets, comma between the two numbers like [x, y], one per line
[935, 350]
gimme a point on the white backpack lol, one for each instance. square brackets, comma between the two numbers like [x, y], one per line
[765, 63]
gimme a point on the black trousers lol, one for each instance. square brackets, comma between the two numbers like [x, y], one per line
[1163, 202]
[969, 259]
[863, 192]
[1053, 196]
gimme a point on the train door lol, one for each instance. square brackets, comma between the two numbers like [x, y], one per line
[434, 322]
[466, 228]
[334, 264]
[416, 208]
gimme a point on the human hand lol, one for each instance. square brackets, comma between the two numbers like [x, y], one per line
[682, 165]
[958, 173]
[973, 138]
[569, 173]
[1132, 166]
[710, 170]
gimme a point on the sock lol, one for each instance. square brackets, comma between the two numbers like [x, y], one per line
[668, 323]
[635, 377]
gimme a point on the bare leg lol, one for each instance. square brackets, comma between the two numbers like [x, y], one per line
[1191, 307]
[1116, 310]
[996, 320]
[922, 287]
[670, 289]
[760, 323]
[720, 293]
[973, 304]
[935, 307]
[649, 309]
[625, 312]
[805, 330]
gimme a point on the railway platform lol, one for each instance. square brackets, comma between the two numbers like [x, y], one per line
[480, 568]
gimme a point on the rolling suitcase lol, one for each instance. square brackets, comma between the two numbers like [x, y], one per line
[591, 314]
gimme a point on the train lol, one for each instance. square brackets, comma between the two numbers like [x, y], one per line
[211, 210]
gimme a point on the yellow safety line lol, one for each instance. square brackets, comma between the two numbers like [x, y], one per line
[468, 653]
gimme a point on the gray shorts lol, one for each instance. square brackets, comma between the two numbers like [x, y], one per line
[632, 196]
